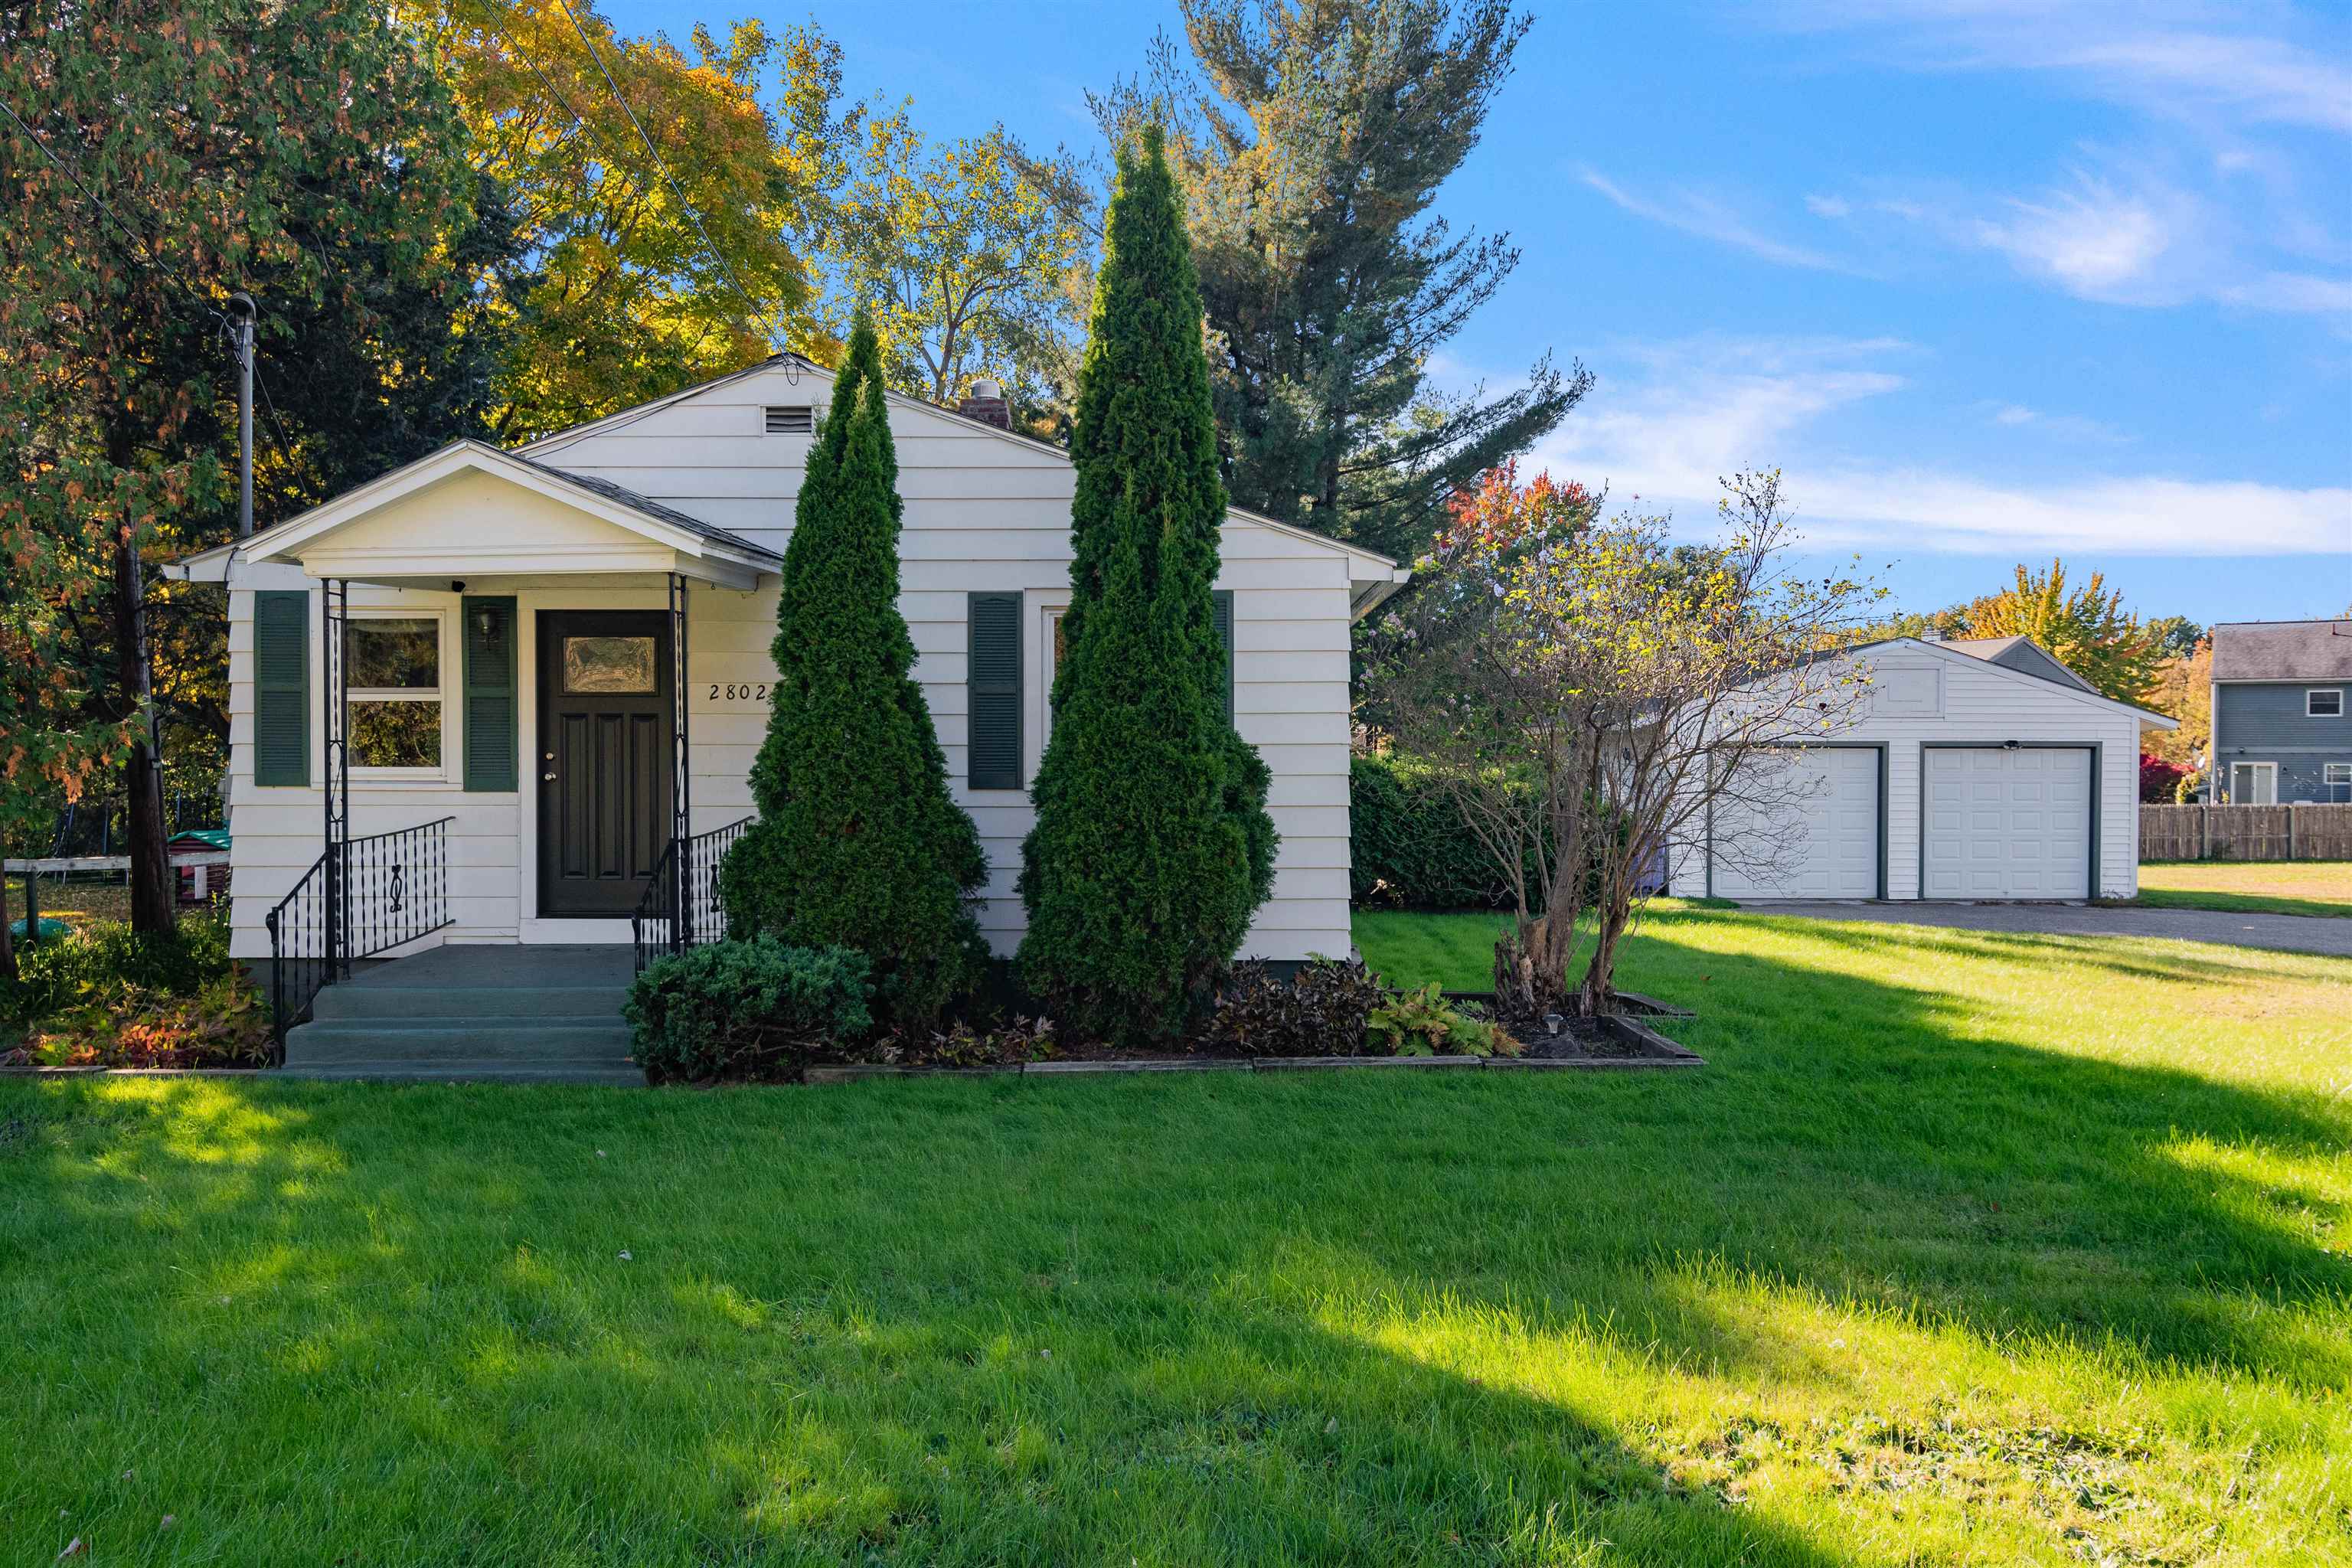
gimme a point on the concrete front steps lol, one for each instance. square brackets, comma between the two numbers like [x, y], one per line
[505, 1014]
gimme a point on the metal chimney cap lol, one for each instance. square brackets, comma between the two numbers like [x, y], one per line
[986, 387]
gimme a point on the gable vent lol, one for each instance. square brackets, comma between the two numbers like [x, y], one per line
[791, 420]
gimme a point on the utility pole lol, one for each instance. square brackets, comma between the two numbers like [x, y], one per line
[241, 314]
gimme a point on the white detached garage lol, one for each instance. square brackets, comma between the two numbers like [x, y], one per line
[1980, 769]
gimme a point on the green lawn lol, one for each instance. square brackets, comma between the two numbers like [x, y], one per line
[2256, 887]
[1966, 1247]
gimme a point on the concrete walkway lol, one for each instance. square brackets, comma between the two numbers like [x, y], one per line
[2279, 934]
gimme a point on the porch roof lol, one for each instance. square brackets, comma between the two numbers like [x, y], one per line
[494, 515]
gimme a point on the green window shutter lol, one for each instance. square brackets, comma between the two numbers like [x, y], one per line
[993, 684]
[281, 687]
[1224, 601]
[491, 721]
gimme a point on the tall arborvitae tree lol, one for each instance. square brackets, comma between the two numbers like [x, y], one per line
[1152, 846]
[858, 842]
[1313, 137]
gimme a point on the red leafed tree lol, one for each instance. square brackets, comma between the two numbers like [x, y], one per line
[2160, 781]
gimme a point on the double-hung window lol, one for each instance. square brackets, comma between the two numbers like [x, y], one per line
[2323, 702]
[2339, 783]
[393, 664]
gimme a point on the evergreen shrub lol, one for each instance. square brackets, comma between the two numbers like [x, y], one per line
[858, 842]
[749, 1009]
[1152, 846]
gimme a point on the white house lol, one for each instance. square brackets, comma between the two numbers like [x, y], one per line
[556, 661]
[1977, 769]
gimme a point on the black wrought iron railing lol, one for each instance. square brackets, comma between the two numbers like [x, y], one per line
[362, 897]
[680, 908]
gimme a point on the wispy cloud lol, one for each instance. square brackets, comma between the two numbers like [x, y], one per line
[1708, 217]
[2064, 427]
[2094, 240]
[1668, 420]
[2113, 231]
[2225, 186]
[2292, 291]
[2244, 62]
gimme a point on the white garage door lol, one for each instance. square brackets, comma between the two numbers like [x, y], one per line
[2007, 825]
[1822, 844]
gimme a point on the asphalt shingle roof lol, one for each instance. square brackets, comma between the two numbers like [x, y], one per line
[651, 507]
[2283, 651]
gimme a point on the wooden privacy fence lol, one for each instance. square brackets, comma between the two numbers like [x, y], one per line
[2245, 832]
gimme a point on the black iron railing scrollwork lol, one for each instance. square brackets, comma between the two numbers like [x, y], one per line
[680, 908]
[362, 897]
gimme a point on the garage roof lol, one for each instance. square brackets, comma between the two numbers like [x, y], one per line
[2022, 654]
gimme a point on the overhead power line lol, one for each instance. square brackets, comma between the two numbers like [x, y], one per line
[685, 207]
[141, 250]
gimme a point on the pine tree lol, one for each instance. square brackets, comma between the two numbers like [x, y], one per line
[858, 842]
[1314, 141]
[1152, 846]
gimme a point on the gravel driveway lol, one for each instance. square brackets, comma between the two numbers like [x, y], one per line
[2281, 933]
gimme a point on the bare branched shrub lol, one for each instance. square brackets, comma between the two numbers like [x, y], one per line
[1590, 692]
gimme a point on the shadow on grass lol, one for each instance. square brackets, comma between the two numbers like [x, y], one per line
[1199, 1320]
[858, 1331]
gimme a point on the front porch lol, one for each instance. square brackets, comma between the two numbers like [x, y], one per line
[470, 694]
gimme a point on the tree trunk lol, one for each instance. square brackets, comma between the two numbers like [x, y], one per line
[7, 943]
[1598, 993]
[1531, 967]
[151, 871]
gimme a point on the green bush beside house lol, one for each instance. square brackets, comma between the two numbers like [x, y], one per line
[1407, 845]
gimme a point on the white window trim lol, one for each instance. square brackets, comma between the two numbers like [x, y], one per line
[2271, 768]
[2312, 692]
[443, 620]
[2337, 773]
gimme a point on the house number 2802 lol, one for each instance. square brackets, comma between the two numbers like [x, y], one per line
[734, 691]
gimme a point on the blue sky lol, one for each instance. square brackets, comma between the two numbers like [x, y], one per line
[1989, 282]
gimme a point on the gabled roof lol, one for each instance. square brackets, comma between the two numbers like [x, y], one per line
[601, 497]
[2076, 690]
[2023, 655]
[652, 509]
[1383, 573]
[1373, 576]
[2283, 651]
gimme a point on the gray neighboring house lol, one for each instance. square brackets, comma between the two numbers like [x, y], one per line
[2282, 726]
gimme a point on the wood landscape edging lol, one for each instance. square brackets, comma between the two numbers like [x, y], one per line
[1661, 1051]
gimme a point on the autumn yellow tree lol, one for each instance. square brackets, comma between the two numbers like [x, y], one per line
[2087, 629]
[2184, 689]
[970, 258]
[645, 273]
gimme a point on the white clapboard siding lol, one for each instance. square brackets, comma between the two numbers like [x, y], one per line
[1953, 699]
[984, 513]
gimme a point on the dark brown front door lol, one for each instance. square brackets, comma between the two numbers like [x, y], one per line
[604, 724]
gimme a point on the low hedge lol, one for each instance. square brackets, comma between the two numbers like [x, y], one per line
[756, 1009]
[1409, 849]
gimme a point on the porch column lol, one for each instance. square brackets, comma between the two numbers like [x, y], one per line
[681, 800]
[336, 791]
